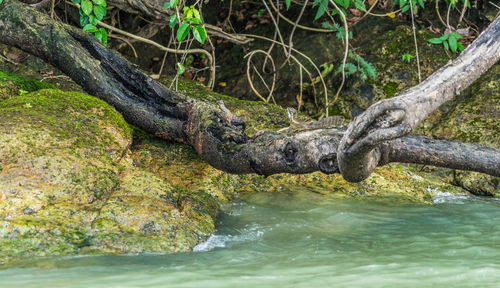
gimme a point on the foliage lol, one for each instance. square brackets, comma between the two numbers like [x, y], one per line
[92, 11]
[405, 4]
[190, 21]
[453, 3]
[449, 42]
[407, 57]
[1, 1]
[365, 68]
[336, 27]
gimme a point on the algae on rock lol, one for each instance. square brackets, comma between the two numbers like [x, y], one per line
[67, 187]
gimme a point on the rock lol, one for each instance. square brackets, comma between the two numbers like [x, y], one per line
[67, 185]
[13, 85]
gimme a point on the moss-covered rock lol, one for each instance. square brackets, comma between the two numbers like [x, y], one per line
[68, 187]
[13, 85]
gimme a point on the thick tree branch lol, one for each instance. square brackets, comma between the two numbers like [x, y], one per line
[396, 117]
[216, 134]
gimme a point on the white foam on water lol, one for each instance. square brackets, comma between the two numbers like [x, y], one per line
[250, 233]
[447, 197]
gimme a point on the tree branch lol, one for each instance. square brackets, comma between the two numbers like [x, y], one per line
[396, 117]
[216, 134]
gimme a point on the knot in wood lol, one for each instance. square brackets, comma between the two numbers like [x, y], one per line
[328, 164]
[290, 152]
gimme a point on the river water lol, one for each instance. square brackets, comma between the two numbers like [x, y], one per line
[293, 240]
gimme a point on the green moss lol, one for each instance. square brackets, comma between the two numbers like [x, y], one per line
[390, 89]
[13, 85]
[61, 111]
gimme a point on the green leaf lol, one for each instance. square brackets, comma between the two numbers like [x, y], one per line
[405, 8]
[360, 5]
[456, 35]
[90, 28]
[321, 9]
[1, 1]
[445, 44]
[287, 3]
[342, 3]
[84, 20]
[188, 13]
[444, 37]
[104, 36]
[98, 35]
[75, 1]
[100, 3]
[173, 21]
[453, 43]
[86, 7]
[180, 68]
[435, 41]
[421, 3]
[196, 13]
[99, 12]
[173, 3]
[183, 31]
[460, 47]
[92, 20]
[199, 33]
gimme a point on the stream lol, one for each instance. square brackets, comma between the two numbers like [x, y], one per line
[293, 240]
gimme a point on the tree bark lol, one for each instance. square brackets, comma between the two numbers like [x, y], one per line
[358, 152]
[216, 134]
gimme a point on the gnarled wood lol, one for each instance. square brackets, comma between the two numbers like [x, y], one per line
[396, 117]
[216, 134]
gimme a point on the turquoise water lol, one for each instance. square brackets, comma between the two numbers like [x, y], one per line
[302, 240]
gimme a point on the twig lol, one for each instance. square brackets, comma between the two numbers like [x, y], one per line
[8, 60]
[164, 59]
[52, 8]
[55, 76]
[290, 43]
[415, 39]
[300, 90]
[250, 55]
[296, 60]
[261, 79]
[377, 14]
[439, 14]
[463, 12]
[346, 28]
[448, 17]
[127, 42]
[276, 32]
